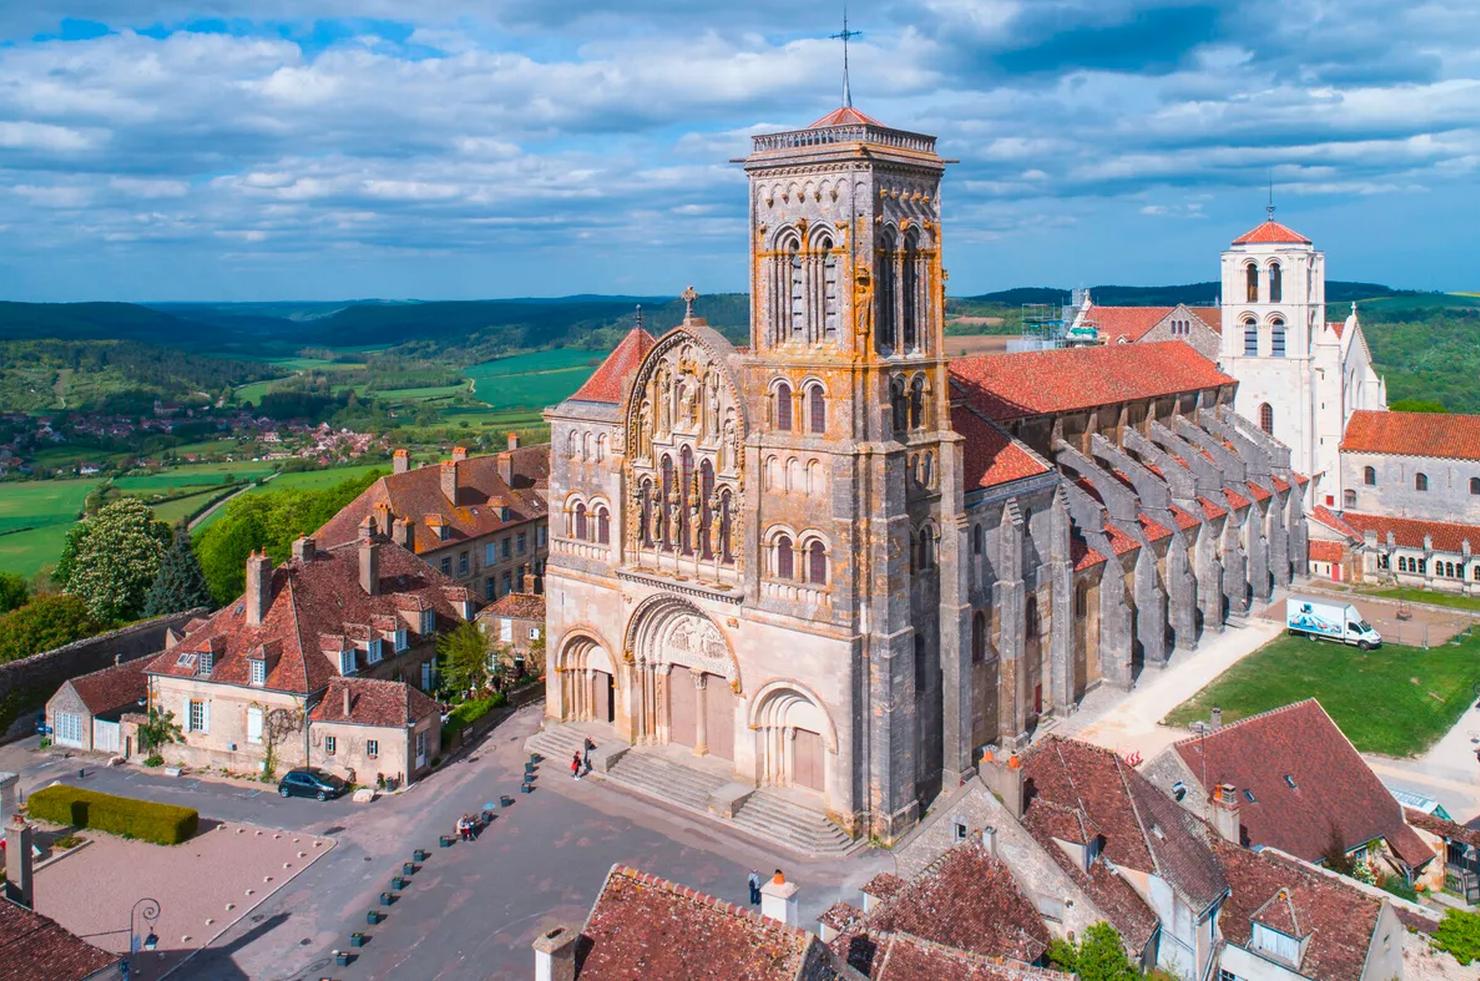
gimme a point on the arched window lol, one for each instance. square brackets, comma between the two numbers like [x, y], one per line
[816, 408]
[603, 526]
[1402, 563]
[927, 548]
[885, 293]
[785, 561]
[570, 445]
[1276, 283]
[817, 563]
[798, 297]
[585, 446]
[1266, 417]
[1277, 338]
[783, 407]
[1349, 498]
[910, 288]
[601, 447]
[917, 402]
[829, 288]
[1251, 283]
[899, 404]
[1420, 481]
[669, 535]
[976, 539]
[1251, 336]
[580, 522]
[978, 637]
[1369, 477]
[1475, 485]
[726, 523]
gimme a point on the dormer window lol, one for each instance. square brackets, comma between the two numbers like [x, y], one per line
[207, 664]
[1249, 796]
[185, 660]
[1274, 943]
[257, 668]
[374, 653]
[401, 643]
[347, 662]
[1289, 781]
[428, 621]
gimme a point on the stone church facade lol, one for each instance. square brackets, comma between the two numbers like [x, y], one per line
[842, 564]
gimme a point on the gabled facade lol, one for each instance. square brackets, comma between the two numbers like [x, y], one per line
[1199, 327]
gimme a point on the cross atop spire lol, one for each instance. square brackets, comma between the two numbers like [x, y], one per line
[1269, 208]
[688, 296]
[844, 35]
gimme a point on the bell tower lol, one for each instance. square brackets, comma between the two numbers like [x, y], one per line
[847, 385]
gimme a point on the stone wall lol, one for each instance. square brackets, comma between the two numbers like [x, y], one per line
[29, 682]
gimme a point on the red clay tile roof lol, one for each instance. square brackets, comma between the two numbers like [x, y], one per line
[1444, 829]
[1334, 521]
[1271, 233]
[1003, 387]
[388, 704]
[1212, 316]
[606, 382]
[1143, 829]
[883, 886]
[969, 900]
[991, 456]
[516, 606]
[317, 606]
[841, 916]
[1334, 789]
[642, 926]
[1409, 532]
[1338, 327]
[481, 491]
[113, 688]
[37, 948]
[1212, 508]
[1084, 557]
[1323, 551]
[1123, 325]
[902, 957]
[1338, 919]
[845, 116]
[1447, 435]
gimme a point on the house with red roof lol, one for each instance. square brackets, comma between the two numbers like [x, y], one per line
[327, 660]
[85, 712]
[34, 947]
[1199, 326]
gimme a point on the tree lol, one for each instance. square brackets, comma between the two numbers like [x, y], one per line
[159, 730]
[1099, 956]
[1335, 857]
[1418, 405]
[44, 623]
[13, 592]
[180, 584]
[114, 560]
[1458, 934]
[463, 654]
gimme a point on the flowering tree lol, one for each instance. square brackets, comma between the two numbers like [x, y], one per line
[111, 559]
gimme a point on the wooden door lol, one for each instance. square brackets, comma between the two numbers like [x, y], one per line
[605, 707]
[807, 759]
[683, 714]
[719, 717]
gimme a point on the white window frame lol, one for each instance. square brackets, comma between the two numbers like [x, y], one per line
[331, 746]
[67, 728]
[198, 715]
[372, 748]
[534, 633]
[506, 630]
[426, 675]
[257, 671]
[206, 664]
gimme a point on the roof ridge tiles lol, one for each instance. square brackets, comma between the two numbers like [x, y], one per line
[1237, 723]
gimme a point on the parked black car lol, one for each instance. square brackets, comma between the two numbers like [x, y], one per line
[309, 782]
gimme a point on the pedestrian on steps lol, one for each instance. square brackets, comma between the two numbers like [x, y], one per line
[586, 755]
[575, 765]
[754, 882]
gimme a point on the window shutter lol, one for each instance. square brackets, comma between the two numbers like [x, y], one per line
[205, 716]
[184, 719]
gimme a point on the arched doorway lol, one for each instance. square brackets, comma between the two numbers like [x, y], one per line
[686, 678]
[588, 689]
[795, 739]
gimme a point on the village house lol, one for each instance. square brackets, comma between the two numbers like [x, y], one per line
[86, 711]
[1456, 849]
[515, 627]
[316, 662]
[1198, 326]
[1290, 779]
[480, 520]
[37, 948]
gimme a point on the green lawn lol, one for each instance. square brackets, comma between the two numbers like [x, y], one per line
[535, 380]
[34, 515]
[304, 480]
[193, 475]
[1436, 597]
[172, 511]
[1395, 700]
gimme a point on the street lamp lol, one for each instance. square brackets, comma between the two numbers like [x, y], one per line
[145, 909]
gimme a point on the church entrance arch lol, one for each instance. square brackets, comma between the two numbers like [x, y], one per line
[587, 680]
[687, 675]
[795, 739]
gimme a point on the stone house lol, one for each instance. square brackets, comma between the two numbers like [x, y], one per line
[244, 685]
[515, 626]
[479, 520]
[1197, 326]
[1290, 779]
[1456, 849]
[1377, 548]
[371, 729]
[86, 711]
[1413, 465]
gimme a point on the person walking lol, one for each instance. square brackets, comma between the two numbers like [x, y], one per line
[586, 755]
[575, 765]
[754, 882]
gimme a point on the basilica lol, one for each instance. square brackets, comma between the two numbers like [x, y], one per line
[835, 565]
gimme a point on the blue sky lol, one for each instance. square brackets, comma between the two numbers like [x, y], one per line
[320, 149]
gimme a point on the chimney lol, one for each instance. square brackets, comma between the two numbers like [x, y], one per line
[506, 468]
[404, 534]
[400, 461]
[20, 873]
[8, 785]
[303, 549]
[259, 587]
[117, 660]
[449, 480]
[529, 579]
[370, 567]
[989, 840]
[555, 955]
[459, 454]
[347, 706]
[1005, 779]
[1216, 717]
[513, 441]
[779, 900]
[367, 526]
[1224, 813]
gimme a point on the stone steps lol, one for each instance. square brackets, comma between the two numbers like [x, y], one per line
[772, 816]
[665, 779]
[556, 744]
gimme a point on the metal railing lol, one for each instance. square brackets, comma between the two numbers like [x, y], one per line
[847, 133]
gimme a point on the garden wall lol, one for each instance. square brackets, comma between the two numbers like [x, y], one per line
[25, 685]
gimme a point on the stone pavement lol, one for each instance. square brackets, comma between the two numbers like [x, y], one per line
[472, 910]
[1129, 723]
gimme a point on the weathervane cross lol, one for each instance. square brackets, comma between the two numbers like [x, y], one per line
[844, 35]
[688, 296]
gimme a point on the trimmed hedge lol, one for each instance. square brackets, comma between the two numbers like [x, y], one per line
[163, 824]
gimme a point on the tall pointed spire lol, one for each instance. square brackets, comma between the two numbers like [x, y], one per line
[844, 35]
[1269, 208]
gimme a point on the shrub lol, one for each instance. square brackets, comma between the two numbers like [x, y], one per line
[469, 712]
[1459, 934]
[155, 760]
[163, 824]
[1399, 887]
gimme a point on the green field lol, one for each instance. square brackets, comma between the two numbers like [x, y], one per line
[1394, 700]
[304, 480]
[1433, 596]
[34, 515]
[533, 381]
[172, 511]
[193, 475]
